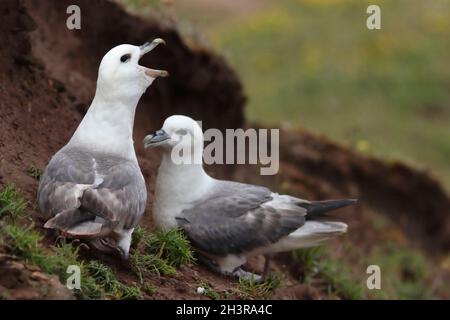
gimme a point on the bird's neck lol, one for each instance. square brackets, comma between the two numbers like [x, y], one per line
[181, 181]
[177, 187]
[108, 126]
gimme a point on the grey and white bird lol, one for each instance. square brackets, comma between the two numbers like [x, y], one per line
[228, 222]
[93, 188]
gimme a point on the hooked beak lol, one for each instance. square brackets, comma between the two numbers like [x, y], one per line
[147, 47]
[156, 139]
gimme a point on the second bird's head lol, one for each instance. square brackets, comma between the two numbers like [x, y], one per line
[120, 74]
[179, 132]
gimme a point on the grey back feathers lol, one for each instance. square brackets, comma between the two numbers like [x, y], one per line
[234, 218]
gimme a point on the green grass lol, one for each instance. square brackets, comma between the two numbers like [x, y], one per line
[138, 235]
[113, 288]
[170, 245]
[251, 289]
[149, 288]
[147, 264]
[209, 291]
[34, 172]
[315, 64]
[160, 253]
[12, 204]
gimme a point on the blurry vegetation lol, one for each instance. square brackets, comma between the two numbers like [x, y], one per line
[405, 273]
[313, 63]
[315, 264]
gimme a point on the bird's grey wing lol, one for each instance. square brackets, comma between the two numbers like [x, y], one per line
[72, 193]
[121, 197]
[63, 182]
[239, 218]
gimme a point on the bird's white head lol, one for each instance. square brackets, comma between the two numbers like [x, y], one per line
[121, 78]
[177, 131]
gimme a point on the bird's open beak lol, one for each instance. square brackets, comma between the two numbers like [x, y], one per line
[156, 139]
[147, 47]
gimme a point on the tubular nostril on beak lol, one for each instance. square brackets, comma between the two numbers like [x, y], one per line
[147, 47]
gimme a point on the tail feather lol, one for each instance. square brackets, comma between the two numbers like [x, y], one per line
[316, 209]
[311, 234]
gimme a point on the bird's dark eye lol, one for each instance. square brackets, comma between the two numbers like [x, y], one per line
[125, 57]
[181, 132]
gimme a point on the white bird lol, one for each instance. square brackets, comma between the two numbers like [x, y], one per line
[93, 188]
[227, 222]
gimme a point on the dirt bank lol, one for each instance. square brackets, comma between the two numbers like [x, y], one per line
[47, 79]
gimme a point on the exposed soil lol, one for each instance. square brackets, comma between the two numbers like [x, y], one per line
[47, 79]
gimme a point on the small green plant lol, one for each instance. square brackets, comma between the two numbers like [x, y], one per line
[138, 235]
[171, 245]
[11, 202]
[252, 289]
[149, 288]
[145, 264]
[209, 291]
[34, 172]
[113, 288]
[23, 242]
[159, 253]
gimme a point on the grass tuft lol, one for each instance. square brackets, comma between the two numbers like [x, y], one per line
[171, 245]
[113, 288]
[11, 202]
[209, 291]
[138, 235]
[146, 264]
[34, 172]
[149, 288]
[159, 253]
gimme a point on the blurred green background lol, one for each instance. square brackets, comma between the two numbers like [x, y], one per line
[313, 63]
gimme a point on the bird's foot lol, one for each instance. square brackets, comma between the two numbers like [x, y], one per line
[238, 273]
[60, 239]
[246, 275]
[80, 244]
